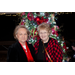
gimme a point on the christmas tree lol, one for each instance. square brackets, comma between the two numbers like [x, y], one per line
[32, 19]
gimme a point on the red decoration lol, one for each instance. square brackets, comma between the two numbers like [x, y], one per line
[57, 34]
[36, 36]
[30, 16]
[37, 19]
[22, 23]
[54, 32]
[22, 14]
[65, 46]
[40, 20]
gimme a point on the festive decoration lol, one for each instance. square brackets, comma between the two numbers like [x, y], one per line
[18, 13]
[32, 19]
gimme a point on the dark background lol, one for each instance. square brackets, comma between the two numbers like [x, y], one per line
[68, 22]
[8, 23]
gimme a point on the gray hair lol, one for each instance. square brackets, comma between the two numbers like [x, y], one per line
[17, 28]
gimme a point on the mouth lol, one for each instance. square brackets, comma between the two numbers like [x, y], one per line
[43, 37]
[23, 39]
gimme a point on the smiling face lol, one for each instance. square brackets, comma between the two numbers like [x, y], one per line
[22, 35]
[44, 35]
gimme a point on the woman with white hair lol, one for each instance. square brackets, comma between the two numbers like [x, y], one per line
[47, 49]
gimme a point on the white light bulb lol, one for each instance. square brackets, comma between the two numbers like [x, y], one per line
[49, 18]
[42, 13]
[57, 37]
[58, 41]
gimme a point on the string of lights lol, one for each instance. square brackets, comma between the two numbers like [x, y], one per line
[10, 13]
[60, 13]
[15, 14]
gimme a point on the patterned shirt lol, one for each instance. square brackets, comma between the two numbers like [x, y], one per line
[53, 50]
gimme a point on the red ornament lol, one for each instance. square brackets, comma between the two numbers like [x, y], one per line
[65, 46]
[55, 32]
[44, 20]
[37, 19]
[40, 20]
[30, 16]
[22, 23]
[37, 36]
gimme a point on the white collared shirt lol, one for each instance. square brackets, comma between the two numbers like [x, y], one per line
[25, 47]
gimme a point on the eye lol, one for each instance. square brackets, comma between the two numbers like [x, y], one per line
[25, 34]
[20, 34]
[45, 32]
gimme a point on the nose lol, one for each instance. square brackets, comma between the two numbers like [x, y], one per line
[23, 35]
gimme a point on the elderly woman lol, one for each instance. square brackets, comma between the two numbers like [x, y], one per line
[21, 51]
[47, 49]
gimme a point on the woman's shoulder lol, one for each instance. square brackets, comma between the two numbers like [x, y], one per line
[11, 49]
[14, 45]
[37, 42]
[53, 40]
[29, 45]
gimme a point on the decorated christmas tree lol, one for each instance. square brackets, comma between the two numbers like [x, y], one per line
[32, 19]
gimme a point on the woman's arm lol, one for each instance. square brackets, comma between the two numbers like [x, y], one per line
[58, 57]
[12, 55]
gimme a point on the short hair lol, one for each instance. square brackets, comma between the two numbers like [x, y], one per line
[17, 28]
[44, 26]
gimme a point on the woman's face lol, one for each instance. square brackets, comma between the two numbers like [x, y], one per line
[44, 35]
[22, 35]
